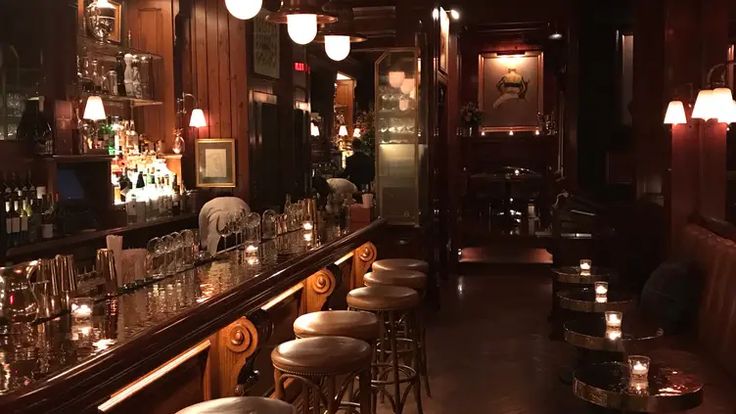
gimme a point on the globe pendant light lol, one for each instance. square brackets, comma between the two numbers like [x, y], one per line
[243, 9]
[302, 27]
[301, 18]
[337, 47]
[338, 36]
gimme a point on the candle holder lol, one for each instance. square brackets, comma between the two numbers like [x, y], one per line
[638, 369]
[81, 308]
[613, 334]
[308, 226]
[586, 265]
[613, 319]
[601, 292]
[251, 255]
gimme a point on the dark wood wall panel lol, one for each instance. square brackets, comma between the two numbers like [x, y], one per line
[217, 75]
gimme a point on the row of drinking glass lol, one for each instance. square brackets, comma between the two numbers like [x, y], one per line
[172, 253]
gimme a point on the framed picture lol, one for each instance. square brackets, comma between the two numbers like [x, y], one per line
[444, 39]
[510, 90]
[265, 48]
[215, 161]
[116, 34]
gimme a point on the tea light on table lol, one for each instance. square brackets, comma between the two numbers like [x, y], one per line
[638, 368]
[308, 237]
[601, 292]
[81, 308]
[586, 265]
[613, 319]
[251, 255]
[613, 334]
[307, 226]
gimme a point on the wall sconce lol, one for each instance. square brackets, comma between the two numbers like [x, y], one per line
[301, 18]
[342, 131]
[314, 130]
[94, 111]
[675, 114]
[197, 119]
[356, 132]
[716, 103]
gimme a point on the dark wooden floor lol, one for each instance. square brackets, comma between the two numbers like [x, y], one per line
[489, 349]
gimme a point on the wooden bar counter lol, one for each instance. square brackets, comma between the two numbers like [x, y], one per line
[200, 334]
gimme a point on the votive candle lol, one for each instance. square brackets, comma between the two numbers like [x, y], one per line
[81, 307]
[613, 319]
[613, 334]
[601, 292]
[586, 265]
[638, 368]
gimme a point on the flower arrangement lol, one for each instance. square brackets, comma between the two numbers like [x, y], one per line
[470, 115]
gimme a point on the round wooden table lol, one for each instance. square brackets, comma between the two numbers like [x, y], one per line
[572, 275]
[583, 300]
[591, 334]
[607, 385]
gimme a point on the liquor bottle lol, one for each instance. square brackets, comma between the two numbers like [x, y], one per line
[120, 70]
[23, 214]
[8, 224]
[34, 219]
[15, 223]
[30, 188]
[140, 182]
[17, 187]
[48, 217]
[35, 129]
[175, 198]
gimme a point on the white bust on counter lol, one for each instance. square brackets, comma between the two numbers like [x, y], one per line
[218, 208]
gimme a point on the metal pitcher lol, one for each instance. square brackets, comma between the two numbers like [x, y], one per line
[65, 279]
[18, 303]
[47, 289]
[105, 268]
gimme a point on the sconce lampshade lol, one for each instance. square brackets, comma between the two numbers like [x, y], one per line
[675, 113]
[728, 114]
[314, 130]
[342, 131]
[197, 119]
[95, 109]
[704, 105]
[396, 78]
[722, 99]
[243, 9]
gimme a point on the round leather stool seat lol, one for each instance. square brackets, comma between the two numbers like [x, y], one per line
[383, 298]
[406, 278]
[401, 264]
[240, 405]
[353, 324]
[323, 355]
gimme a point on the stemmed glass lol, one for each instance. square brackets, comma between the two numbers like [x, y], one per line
[152, 257]
[160, 249]
[187, 237]
[177, 248]
[168, 246]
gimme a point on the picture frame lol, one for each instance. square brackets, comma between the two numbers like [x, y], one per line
[266, 49]
[215, 162]
[116, 35]
[510, 90]
[444, 39]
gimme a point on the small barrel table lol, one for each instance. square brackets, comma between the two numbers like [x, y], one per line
[584, 300]
[669, 389]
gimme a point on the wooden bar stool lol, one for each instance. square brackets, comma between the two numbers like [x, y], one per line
[325, 367]
[401, 264]
[391, 304]
[240, 405]
[416, 280]
[353, 324]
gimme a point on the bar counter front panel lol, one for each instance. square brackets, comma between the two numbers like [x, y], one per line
[193, 336]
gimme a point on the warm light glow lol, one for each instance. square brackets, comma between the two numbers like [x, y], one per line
[586, 264]
[613, 319]
[613, 334]
[728, 115]
[407, 86]
[314, 130]
[601, 288]
[356, 133]
[511, 133]
[104, 4]
[302, 28]
[396, 78]
[536, 131]
[436, 14]
[722, 99]
[94, 110]
[308, 226]
[704, 106]
[337, 47]
[675, 113]
[342, 131]
[555, 36]
[243, 9]
[454, 14]
[197, 119]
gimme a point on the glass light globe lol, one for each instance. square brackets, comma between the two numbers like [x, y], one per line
[302, 28]
[407, 86]
[337, 47]
[396, 78]
[243, 9]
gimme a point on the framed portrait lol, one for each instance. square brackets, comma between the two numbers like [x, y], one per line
[510, 90]
[116, 34]
[444, 39]
[215, 161]
[265, 48]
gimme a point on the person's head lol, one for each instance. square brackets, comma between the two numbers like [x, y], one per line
[357, 145]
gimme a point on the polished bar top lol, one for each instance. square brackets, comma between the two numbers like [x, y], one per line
[65, 363]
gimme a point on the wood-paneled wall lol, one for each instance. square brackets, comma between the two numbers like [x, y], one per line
[214, 69]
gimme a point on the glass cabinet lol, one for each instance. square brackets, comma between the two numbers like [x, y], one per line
[400, 142]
